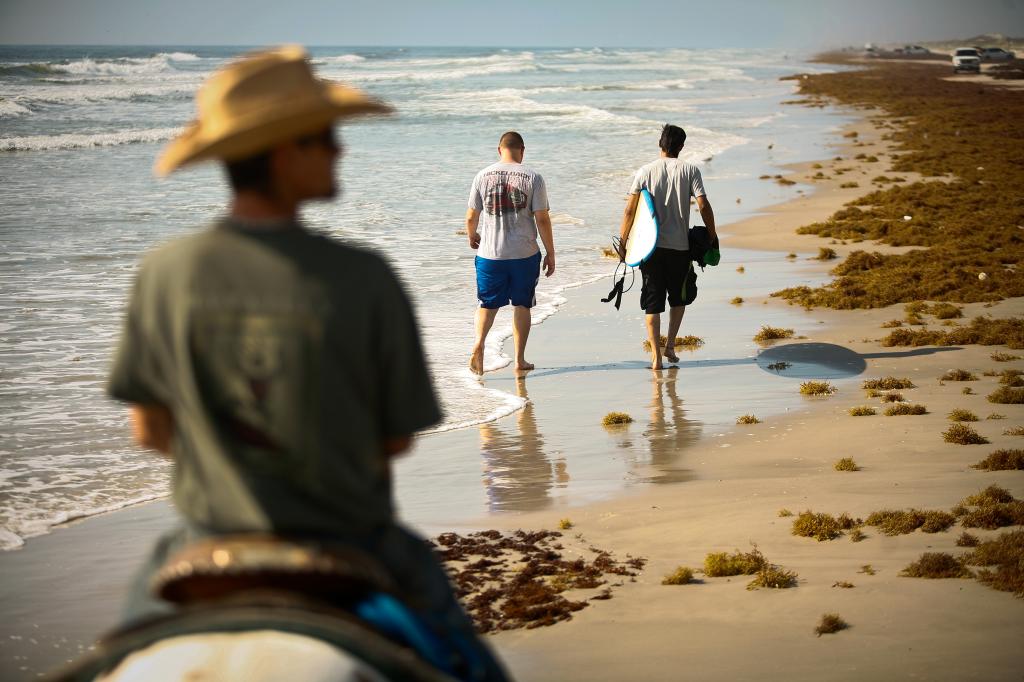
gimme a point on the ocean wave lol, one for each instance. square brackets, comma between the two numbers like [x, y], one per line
[42, 95]
[508, 404]
[127, 66]
[37, 143]
[179, 56]
[511, 102]
[340, 59]
[12, 109]
[411, 75]
[32, 69]
[499, 58]
[29, 528]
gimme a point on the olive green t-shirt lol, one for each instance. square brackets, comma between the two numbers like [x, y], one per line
[286, 358]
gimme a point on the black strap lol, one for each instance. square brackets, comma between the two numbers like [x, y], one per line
[616, 292]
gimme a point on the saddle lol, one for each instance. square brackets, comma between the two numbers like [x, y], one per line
[243, 567]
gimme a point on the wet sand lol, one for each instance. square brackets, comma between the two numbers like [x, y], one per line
[724, 486]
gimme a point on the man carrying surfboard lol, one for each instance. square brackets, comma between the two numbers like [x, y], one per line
[667, 183]
[508, 207]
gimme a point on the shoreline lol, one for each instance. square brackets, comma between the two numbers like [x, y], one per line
[736, 481]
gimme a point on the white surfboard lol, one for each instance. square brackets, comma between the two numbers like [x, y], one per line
[643, 235]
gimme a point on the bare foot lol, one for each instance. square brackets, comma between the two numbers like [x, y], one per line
[476, 361]
[670, 355]
[524, 366]
[656, 364]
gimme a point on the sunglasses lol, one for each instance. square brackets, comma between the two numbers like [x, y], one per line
[325, 138]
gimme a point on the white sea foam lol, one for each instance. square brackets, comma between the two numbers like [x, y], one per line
[180, 56]
[9, 540]
[511, 102]
[460, 72]
[12, 109]
[507, 404]
[73, 141]
[117, 67]
[31, 98]
[340, 59]
[33, 527]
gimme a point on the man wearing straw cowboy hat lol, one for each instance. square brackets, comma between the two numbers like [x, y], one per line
[280, 369]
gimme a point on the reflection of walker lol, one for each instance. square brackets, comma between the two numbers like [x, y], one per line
[518, 475]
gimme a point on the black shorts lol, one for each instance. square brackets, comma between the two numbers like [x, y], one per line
[667, 272]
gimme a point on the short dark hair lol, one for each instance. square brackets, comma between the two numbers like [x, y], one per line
[250, 174]
[511, 140]
[672, 139]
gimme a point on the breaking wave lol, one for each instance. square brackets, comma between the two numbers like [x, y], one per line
[36, 143]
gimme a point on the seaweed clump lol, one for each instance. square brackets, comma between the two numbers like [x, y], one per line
[773, 333]
[516, 580]
[1002, 460]
[1003, 558]
[846, 464]
[862, 411]
[945, 214]
[723, 564]
[961, 434]
[747, 419]
[901, 409]
[817, 388]
[961, 415]
[936, 565]
[994, 507]
[773, 577]
[820, 526]
[904, 521]
[967, 540]
[958, 375]
[681, 576]
[688, 342]
[616, 419]
[981, 331]
[830, 623]
[1005, 395]
[888, 384]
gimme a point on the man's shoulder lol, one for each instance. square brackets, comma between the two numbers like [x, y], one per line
[218, 240]
[685, 167]
[502, 167]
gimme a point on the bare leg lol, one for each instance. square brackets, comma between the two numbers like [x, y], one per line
[521, 321]
[653, 334]
[675, 318]
[484, 320]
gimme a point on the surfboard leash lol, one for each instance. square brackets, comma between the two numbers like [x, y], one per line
[619, 281]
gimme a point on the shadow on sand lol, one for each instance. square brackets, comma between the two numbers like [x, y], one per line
[794, 360]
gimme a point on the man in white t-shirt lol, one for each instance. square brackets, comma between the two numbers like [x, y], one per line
[671, 182]
[508, 206]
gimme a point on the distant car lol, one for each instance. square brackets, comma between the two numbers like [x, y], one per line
[966, 59]
[996, 54]
[915, 49]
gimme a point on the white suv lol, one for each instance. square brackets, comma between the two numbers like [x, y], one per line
[966, 59]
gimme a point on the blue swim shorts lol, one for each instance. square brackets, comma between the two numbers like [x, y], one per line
[500, 281]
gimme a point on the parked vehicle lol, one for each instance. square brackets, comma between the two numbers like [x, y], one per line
[966, 59]
[996, 54]
[915, 49]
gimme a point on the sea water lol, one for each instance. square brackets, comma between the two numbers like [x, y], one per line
[80, 128]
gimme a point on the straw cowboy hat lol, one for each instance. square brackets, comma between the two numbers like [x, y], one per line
[257, 102]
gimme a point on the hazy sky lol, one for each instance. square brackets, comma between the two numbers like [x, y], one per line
[672, 23]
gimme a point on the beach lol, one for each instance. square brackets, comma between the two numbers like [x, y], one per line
[683, 479]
